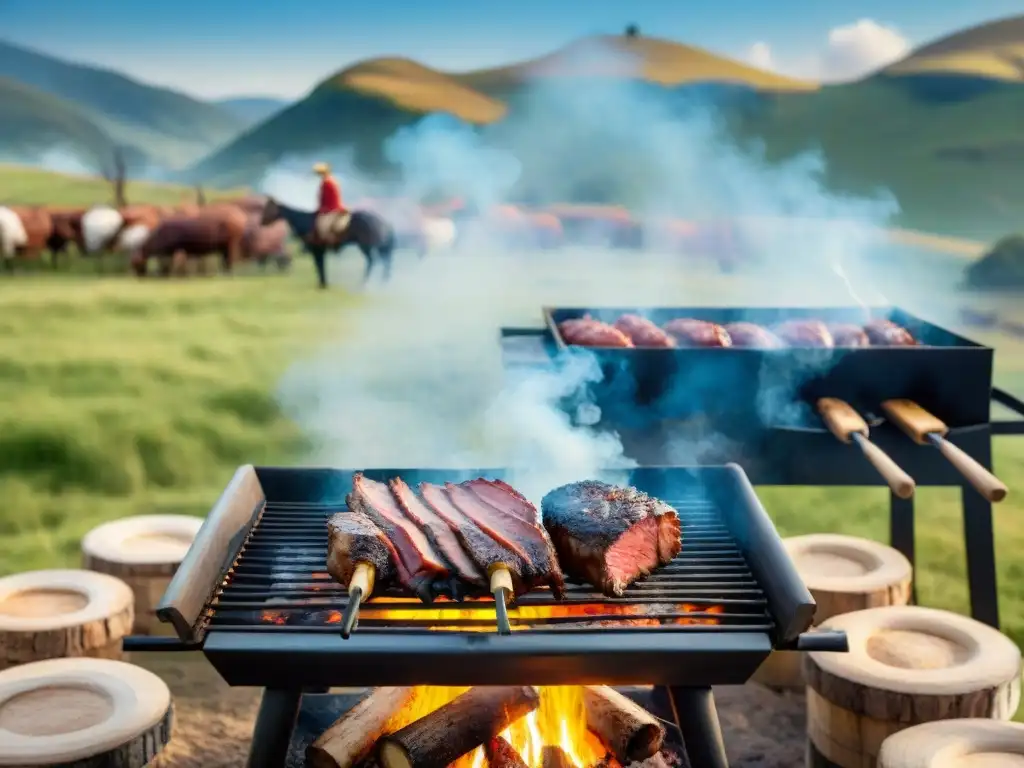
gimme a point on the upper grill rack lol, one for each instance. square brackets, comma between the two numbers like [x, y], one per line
[278, 583]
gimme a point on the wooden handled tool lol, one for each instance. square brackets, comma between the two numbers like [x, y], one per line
[501, 588]
[924, 428]
[849, 427]
[359, 590]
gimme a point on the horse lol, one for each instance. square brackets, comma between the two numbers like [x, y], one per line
[218, 229]
[374, 236]
[24, 231]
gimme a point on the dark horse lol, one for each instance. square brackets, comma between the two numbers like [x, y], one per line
[374, 236]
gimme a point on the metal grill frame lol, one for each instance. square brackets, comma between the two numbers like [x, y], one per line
[275, 657]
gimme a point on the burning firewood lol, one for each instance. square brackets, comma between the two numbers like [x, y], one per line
[501, 754]
[630, 731]
[354, 734]
[555, 757]
[457, 728]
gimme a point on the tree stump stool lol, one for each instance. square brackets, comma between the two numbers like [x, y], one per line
[82, 713]
[843, 574]
[906, 666]
[972, 743]
[55, 614]
[144, 552]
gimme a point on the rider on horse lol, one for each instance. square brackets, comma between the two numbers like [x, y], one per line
[332, 217]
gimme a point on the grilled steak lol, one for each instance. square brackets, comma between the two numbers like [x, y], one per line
[588, 332]
[752, 336]
[845, 335]
[643, 333]
[485, 551]
[505, 516]
[885, 333]
[804, 333]
[438, 532]
[415, 552]
[354, 538]
[610, 536]
[697, 333]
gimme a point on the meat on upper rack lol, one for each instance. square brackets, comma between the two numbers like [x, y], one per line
[752, 336]
[804, 333]
[642, 332]
[885, 333]
[588, 332]
[689, 332]
[849, 335]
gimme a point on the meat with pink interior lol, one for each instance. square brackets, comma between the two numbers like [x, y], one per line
[608, 535]
[805, 333]
[588, 332]
[848, 335]
[643, 333]
[689, 332]
[885, 333]
[751, 336]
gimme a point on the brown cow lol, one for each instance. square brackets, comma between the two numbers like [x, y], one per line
[265, 243]
[67, 229]
[218, 229]
[24, 231]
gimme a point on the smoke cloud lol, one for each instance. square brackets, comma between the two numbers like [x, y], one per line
[414, 377]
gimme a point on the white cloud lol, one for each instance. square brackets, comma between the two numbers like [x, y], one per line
[849, 52]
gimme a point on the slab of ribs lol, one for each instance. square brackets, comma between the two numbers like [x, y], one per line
[446, 540]
[632, 330]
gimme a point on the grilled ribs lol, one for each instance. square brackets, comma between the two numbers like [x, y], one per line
[697, 333]
[353, 538]
[610, 536]
[805, 333]
[588, 332]
[752, 336]
[885, 333]
[847, 335]
[643, 333]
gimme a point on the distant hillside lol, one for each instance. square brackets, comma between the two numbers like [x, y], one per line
[992, 51]
[170, 127]
[35, 123]
[252, 109]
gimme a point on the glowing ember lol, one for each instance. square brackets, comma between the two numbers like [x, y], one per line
[560, 721]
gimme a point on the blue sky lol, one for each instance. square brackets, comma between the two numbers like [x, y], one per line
[215, 48]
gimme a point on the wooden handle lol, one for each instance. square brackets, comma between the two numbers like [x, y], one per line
[840, 418]
[914, 420]
[900, 482]
[362, 579]
[501, 588]
[987, 484]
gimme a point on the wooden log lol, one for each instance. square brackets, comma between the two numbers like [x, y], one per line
[457, 728]
[969, 742]
[554, 757]
[907, 665]
[144, 552]
[843, 574]
[627, 729]
[83, 713]
[353, 736]
[501, 754]
[62, 613]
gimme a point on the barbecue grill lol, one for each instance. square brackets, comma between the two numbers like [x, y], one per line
[654, 397]
[253, 595]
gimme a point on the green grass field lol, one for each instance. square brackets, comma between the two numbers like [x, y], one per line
[122, 397]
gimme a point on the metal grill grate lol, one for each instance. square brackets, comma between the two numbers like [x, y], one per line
[279, 584]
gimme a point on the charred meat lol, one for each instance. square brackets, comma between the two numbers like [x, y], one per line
[847, 335]
[885, 333]
[610, 536]
[697, 333]
[805, 333]
[353, 538]
[752, 336]
[588, 332]
[643, 333]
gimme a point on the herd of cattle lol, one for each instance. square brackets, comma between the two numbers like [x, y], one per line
[237, 230]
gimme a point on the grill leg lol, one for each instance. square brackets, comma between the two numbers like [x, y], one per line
[697, 718]
[981, 559]
[279, 709]
[901, 532]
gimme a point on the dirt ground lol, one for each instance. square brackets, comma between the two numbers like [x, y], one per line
[213, 722]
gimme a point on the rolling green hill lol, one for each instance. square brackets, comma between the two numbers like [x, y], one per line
[171, 128]
[252, 109]
[994, 51]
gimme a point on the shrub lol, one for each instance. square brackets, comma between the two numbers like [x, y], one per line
[1001, 267]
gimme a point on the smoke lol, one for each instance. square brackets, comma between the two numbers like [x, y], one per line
[413, 376]
[57, 159]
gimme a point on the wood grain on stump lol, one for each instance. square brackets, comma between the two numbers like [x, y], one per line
[969, 743]
[82, 713]
[66, 613]
[843, 574]
[144, 552]
[907, 665]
